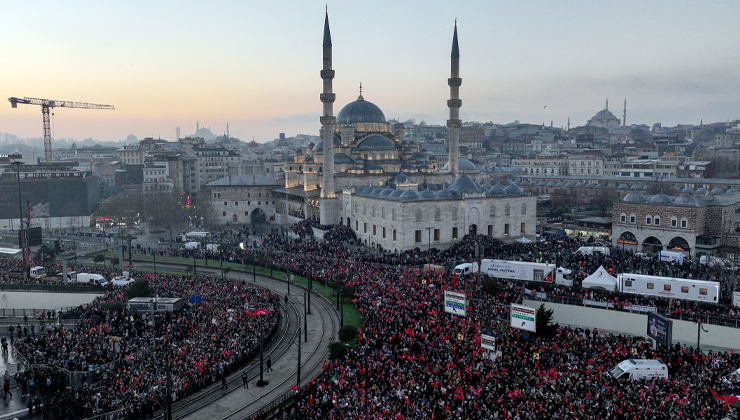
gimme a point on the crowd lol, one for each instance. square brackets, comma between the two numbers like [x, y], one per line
[414, 361]
[201, 343]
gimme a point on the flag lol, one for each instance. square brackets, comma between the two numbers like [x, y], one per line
[732, 399]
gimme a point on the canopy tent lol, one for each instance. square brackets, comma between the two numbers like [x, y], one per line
[523, 240]
[600, 279]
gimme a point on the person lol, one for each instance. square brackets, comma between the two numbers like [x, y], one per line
[245, 380]
[269, 364]
[286, 300]
[224, 385]
[6, 385]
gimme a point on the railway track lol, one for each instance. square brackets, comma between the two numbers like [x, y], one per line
[237, 403]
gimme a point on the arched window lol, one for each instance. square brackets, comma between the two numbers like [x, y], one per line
[507, 210]
[454, 213]
[524, 208]
[382, 212]
[372, 212]
[623, 218]
[418, 215]
[493, 210]
[674, 222]
[437, 215]
[684, 222]
[656, 220]
[393, 214]
[648, 220]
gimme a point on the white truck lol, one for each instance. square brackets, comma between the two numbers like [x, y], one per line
[675, 257]
[526, 271]
[593, 250]
[465, 268]
[37, 272]
[640, 369]
[86, 278]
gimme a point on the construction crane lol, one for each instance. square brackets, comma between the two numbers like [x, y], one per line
[47, 104]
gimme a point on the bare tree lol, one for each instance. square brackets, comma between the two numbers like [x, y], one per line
[164, 210]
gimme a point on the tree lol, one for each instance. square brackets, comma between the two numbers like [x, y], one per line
[45, 254]
[139, 288]
[337, 350]
[114, 261]
[544, 319]
[603, 201]
[164, 210]
[99, 258]
[347, 333]
[124, 209]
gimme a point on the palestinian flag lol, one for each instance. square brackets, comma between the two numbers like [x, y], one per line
[732, 398]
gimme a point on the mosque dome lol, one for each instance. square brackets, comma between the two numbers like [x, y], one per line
[634, 197]
[342, 159]
[497, 189]
[376, 191]
[676, 188]
[376, 143]
[570, 184]
[428, 194]
[386, 192]
[361, 111]
[580, 184]
[463, 165]
[686, 200]
[612, 186]
[661, 199]
[396, 193]
[464, 184]
[701, 190]
[559, 184]
[409, 195]
[445, 195]
[513, 190]
[688, 190]
[320, 145]
[636, 187]
[732, 190]
[623, 187]
[718, 191]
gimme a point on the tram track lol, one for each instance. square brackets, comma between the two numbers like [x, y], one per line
[233, 405]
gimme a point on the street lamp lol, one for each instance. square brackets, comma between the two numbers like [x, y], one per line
[700, 328]
[429, 232]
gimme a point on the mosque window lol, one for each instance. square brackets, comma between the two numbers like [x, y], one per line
[493, 210]
[507, 210]
[393, 214]
[437, 215]
[524, 208]
[454, 233]
[436, 234]
[417, 236]
[418, 215]
[656, 221]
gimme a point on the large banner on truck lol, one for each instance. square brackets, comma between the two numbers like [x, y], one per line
[518, 270]
[735, 298]
[455, 303]
[523, 318]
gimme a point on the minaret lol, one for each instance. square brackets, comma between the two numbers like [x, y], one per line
[624, 115]
[454, 104]
[227, 130]
[607, 104]
[328, 189]
[568, 123]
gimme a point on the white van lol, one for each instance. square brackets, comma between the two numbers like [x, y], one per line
[191, 245]
[591, 250]
[466, 268]
[86, 278]
[639, 369]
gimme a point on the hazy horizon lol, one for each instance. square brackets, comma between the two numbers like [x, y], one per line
[256, 65]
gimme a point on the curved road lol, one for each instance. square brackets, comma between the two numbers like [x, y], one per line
[239, 403]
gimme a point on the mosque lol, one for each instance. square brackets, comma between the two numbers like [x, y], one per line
[363, 173]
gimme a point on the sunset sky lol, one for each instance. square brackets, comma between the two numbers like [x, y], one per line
[256, 65]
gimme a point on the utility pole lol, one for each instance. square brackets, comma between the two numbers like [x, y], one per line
[298, 379]
[305, 318]
[700, 328]
[341, 308]
[309, 293]
[429, 233]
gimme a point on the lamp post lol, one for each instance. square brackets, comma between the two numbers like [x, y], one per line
[429, 234]
[21, 235]
[700, 328]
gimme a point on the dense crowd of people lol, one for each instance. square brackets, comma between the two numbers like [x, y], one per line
[412, 360]
[128, 350]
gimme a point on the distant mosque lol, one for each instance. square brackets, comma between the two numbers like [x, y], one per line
[605, 118]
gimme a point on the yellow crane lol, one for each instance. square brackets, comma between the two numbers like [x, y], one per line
[47, 104]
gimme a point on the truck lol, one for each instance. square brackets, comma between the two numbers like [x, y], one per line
[527, 271]
[37, 272]
[195, 236]
[675, 257]
[86, 278]
[669, 287]
[635, 369]
[465, 268]
[593, 250]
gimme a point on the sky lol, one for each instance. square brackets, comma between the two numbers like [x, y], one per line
[255, 64]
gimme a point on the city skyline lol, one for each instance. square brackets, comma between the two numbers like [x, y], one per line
[256, 65]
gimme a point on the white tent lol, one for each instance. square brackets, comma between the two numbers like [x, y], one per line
[600, 279]
[523, 240]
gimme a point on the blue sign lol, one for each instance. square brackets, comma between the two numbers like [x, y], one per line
[660, 329]
[194, 299]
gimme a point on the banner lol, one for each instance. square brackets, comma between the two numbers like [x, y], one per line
[455, 303]
[735, 298]
[660, 329]
[488, 342]
[523, 318]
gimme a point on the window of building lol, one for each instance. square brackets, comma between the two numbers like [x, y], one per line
[454, 233]
[656, 221]
[246, 213]
[436, 234]
[394, 235]
[684, 223]
[674, 222]
[224, 214]
[225, 203]
[417, 236]
[236, 203]
[524, 228]
[418, 215]
[507, 210]
[524, 208]
[623, 218]
[364, 228]
[374, 230]
[648, 220]
[506, 229]
[437, 215]
[383, 233]
[632, 218]
[357, 225]
[490, 230]
[493, 210]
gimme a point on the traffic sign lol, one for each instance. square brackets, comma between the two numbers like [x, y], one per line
[523, 318]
